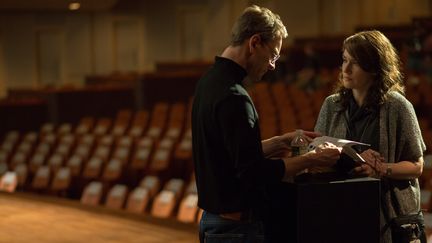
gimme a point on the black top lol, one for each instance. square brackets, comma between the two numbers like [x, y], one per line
[363, 125]
[230, 167]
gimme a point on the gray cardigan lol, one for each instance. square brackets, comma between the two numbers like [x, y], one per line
[400, 139]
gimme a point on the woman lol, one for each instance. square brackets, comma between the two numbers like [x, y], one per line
[369, 106]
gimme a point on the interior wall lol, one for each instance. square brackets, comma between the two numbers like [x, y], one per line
[3, 90]
[163, 32]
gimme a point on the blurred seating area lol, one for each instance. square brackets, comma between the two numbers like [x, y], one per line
[137, 161]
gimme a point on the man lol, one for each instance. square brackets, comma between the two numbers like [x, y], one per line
[230, 160]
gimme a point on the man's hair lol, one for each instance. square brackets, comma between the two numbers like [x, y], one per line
[376, 55]
[257, 20]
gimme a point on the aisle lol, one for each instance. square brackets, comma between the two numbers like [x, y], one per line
[33, 218]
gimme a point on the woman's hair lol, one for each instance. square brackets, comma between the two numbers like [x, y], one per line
[376, 55]
[257, 20]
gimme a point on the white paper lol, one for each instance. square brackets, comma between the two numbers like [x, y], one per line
[343, 143]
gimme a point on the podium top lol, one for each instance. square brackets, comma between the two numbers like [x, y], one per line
[330, 178]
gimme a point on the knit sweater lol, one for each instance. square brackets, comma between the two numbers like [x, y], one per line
[400, 140]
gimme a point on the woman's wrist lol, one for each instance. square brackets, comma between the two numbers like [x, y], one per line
[385, 170]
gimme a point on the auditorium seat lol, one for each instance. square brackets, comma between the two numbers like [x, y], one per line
[163, 204]
[42, 178]
[88, 139]
[106, 140]
[116, 197]
[175, 185]
[112, 170]
[143, 152]
[9, 143]
[43, 148]
[176, 121]
[83, 151]
[55, 162]
[4, 156]
[166, 200]
[47, 128]
[102, 152]
[63, 149]
[25, 147]
[92, 169]
[122, 122]
[138, 200]
[139, 124]
[125, 141]
[122, 154]
[3, 168]
[18, 158]
[183, 150]
[92, 194]
[85, 125]
[22, 171]
[61, 180]
[152, 183]
[188, 208]
[12, 136]
[162, 156]
[64, 128]
[68, 139]
[102, 127]
[158, 120]
[317, 100]
[49, 138]
[75, 164]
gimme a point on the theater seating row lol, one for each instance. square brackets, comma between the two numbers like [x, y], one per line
[174, 199]
[101, 148]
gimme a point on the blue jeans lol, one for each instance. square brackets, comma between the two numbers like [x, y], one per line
[214, 228]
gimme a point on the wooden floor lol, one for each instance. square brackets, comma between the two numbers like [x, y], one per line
[33, 218]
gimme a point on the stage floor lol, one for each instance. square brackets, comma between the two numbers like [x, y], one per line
[33, 218]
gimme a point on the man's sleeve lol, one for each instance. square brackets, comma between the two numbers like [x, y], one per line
[240, 131]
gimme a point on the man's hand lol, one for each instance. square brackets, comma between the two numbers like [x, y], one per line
[289, 136]
[325, 155]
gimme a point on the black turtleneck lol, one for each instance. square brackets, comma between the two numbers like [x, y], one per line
[230, 167]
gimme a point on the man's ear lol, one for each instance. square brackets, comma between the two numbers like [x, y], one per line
[254, 41]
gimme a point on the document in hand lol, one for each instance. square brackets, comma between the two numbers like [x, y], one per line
[346, 146]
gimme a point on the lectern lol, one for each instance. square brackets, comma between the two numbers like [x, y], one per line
[327, 209]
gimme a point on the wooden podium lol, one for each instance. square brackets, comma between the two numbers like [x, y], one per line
[325, 210]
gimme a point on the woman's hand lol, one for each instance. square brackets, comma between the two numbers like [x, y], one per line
[373, 166]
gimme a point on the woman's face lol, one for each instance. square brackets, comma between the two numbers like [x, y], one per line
[353, 76]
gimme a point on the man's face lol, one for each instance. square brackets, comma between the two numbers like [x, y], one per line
[263, 58]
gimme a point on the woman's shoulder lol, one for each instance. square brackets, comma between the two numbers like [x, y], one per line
[333, 98]
[396, 99]
[397, 104]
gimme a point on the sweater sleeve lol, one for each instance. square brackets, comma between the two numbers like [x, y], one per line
[411, 143]
[322, 120]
